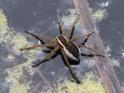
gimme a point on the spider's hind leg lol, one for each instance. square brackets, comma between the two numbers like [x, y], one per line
[70, 68]
[48, 57]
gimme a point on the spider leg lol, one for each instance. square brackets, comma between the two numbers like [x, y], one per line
[71, 32]
[47, 51]
[48, 57]
[42, 42]
[80, 37]
[39, 37]
[60, 24]
[87, 37]
[91, 55]
[70, 68]
[50, 45]
[32, 47]
[84, 46]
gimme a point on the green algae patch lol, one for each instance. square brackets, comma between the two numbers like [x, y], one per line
[19, 41]
[70, 18]
[18, 88]
[16, 78]
[88, 85]
[3, 27]
[15, 75]
[99, 15]
[3, 19]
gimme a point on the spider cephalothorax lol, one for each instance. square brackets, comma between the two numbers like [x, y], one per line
[65, 46]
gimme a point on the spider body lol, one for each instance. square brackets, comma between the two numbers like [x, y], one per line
[70, 49]
[65, 46]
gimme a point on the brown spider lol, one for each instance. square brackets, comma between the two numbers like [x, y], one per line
[65, 46]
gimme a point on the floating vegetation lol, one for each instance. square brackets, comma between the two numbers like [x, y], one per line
[99, 15]
[15, 75]
[21, 88]
[17, 79]
[3, 20]
[90, 84]
[70, 18]
[115, 62]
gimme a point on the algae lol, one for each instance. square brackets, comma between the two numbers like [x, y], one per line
[89, 85]
[3, 20]
[16, 40]
[99, 15]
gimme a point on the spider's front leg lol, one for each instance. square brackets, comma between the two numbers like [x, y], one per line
[60, 24]
[71, 31]
[48, 57]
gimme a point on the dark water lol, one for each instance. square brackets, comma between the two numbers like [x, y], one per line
[112, 31]
[41, 16]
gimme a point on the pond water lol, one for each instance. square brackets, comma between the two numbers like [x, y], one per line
[40, 16]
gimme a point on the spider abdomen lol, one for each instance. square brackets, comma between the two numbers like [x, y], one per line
[70, 49]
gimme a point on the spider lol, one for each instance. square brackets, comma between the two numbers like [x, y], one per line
[64, 45]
